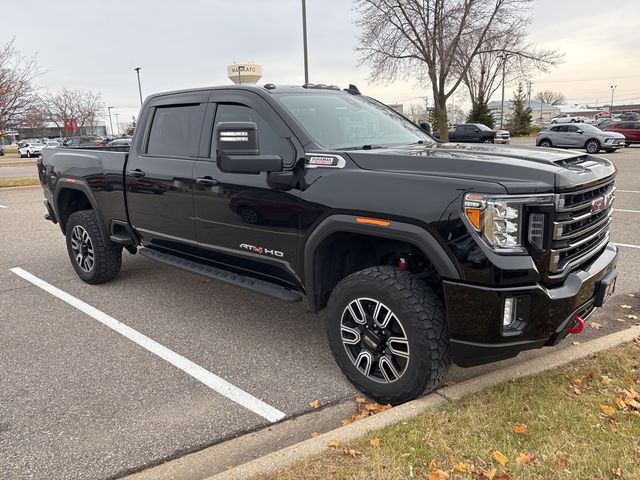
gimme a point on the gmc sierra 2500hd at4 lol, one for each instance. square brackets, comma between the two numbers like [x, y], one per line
[422, 253]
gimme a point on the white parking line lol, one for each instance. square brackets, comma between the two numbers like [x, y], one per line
[211, 380]
[626, 245]
[628, 211]
[628, 191]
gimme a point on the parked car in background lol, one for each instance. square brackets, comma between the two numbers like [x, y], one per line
[591, 138]
[630, 130]
[477, 133]
[630, 117]
[601, 115]
[33, 149]
[1, 151]
[52, 144]
[84, 142]
[119, 142]
[567, 118]
[604, 123]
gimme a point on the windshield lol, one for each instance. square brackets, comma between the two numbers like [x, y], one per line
[343, 122]
[589, 128]
[482, 127]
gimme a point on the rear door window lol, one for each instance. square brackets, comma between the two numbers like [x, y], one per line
[175, 131]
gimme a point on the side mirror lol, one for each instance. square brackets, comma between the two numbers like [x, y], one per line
[239, 151]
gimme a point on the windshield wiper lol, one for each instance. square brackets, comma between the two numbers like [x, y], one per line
[362, 147]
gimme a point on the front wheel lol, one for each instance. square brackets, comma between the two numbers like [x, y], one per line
[545, 144]
[487, 140]
[592, 146]
[388, 333]
[94, 259]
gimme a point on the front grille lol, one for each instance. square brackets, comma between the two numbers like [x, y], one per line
[580, 226]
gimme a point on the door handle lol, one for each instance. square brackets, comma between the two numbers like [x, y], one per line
[137, 173]
[207, 181]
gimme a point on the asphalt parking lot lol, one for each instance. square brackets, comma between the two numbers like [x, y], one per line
[79, 399]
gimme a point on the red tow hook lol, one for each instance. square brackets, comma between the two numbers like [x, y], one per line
[578, 328]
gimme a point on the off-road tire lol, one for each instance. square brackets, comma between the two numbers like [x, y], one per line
[423, 318]
[107, 256]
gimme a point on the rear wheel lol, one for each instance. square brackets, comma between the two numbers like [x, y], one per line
[388, 333]
[546, 143]
[592, 146]
[94, 259]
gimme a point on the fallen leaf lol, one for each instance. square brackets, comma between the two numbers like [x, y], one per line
[576, 390]
[433, 466]
[500, 458]
[228, 467]
[632, 317]
[374, 442]
[577, 382]
[617, 472]
[626, 307]
[503, 476]
[628, 380]
[520, 428]
[575, 343]
[561, 461]
[350, 451]
[621, 320]
[438, 475]
[334, 443]
[460, 468]
[314, 404]
[595, 325]
[523, 459]
[589, 374]
[605, 380]
[361, 400]
[314, 434]
[620, 403]
[485, 474]
[607, 410]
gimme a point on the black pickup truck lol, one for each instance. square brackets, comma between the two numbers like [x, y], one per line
[477, 133]
[422, 253]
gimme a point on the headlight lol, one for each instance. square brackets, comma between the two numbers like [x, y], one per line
[498, 219]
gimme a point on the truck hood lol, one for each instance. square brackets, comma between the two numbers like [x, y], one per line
[518, 169]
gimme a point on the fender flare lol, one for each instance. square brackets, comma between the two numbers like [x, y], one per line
[406, 232]
[80, 185]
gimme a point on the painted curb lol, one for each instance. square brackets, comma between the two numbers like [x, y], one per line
[287, 456]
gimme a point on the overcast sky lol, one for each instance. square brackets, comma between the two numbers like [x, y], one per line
[95, 45]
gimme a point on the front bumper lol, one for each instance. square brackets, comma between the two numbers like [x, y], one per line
[475, 312]
[504, 141]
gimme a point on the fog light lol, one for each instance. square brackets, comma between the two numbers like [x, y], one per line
[509, 314]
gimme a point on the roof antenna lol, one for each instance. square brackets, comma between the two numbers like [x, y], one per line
[353, 90]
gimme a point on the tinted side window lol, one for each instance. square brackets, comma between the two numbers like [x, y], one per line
[572, 128]
[563, 129]
[175, 131]
[269, 141]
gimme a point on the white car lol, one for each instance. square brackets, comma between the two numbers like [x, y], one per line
[31, 149]
[566, 118]
[52, 144]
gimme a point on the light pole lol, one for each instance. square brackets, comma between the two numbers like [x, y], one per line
[613, 89]
[304, 41]
[110, 122]
[117, 123]
[504, 74]
[137, 69]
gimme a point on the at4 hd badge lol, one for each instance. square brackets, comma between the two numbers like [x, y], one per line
[261, 250]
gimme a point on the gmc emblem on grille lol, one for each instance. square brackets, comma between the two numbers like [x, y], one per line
[601, 203]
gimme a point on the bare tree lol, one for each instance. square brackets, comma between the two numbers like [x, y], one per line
[17, 89]
[433, 40]
[75, 107]
[551, 98]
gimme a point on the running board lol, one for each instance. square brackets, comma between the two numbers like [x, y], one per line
[253, 284]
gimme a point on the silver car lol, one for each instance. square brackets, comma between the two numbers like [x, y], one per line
[590, 138]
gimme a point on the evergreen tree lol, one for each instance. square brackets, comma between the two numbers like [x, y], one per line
[520, 122]
[480, 113]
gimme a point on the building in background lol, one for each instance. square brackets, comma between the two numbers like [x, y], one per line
[50, 130]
